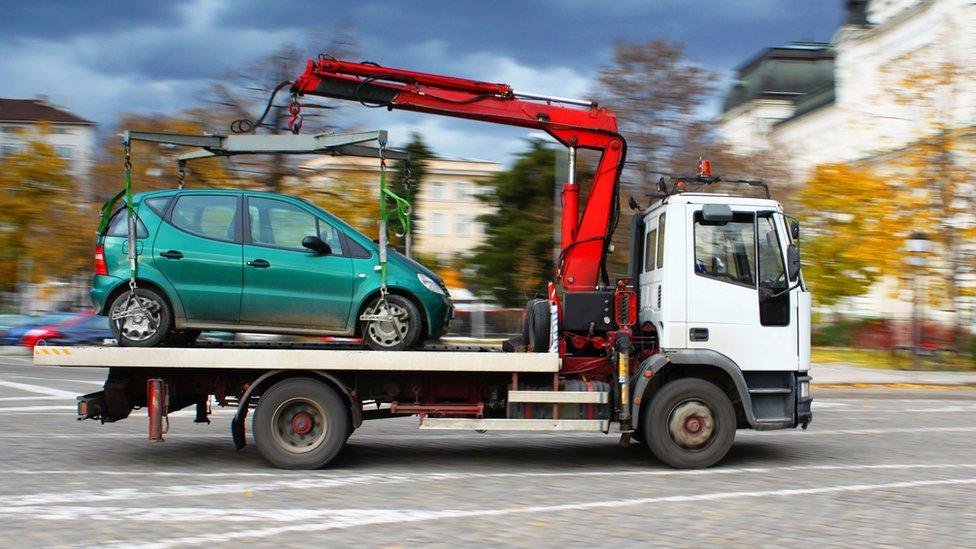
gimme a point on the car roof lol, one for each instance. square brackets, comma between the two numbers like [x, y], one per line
[170, 192]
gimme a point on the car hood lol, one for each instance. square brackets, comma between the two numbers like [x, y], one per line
[413, 265]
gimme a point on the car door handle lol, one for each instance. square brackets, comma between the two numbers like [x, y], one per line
[259, 263]
[172, 254]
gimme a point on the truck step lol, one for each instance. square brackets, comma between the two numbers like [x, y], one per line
[450, 423]
[561, 397]
[773, 391]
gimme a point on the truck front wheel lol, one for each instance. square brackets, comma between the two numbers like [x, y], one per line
[300, 423]
[689, 424]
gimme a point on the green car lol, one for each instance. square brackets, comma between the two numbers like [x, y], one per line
[245, 261]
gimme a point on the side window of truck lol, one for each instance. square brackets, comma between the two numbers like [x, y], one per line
[650, 249]
[660, 241]
[726, 251]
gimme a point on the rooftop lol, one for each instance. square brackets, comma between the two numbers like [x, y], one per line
[37, 110]
[785, 72]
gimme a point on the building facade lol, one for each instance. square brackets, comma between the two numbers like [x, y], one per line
[446, 208]
[72, 137]
[896, 74]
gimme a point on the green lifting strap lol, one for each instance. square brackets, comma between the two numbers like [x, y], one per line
[107, 211]
[402, 211]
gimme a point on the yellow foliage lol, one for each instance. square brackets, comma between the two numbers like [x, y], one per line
[46, 229]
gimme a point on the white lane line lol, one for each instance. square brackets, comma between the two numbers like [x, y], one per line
[39, 389]
[31, 398]
[465, 476]
[21, 409]
[335, 519]
[86, 381]
[883, 431]
[311, 481]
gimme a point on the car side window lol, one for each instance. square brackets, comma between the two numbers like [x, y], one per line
[210, 216]
[330, 235]
[726, 251]
[280, 224]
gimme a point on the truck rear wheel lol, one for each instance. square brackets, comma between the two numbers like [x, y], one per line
[689, 424]
[300, 423]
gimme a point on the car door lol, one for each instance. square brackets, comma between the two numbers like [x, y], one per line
[733, 263]
[198, 249]
[286, 285]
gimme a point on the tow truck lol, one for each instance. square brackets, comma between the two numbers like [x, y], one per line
[708, 333]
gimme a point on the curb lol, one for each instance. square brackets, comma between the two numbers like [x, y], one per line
[901, 386]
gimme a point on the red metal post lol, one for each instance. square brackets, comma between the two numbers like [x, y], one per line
[155, 395]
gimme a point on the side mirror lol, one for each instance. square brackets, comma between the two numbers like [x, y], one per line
[793, 261]
[795, 229]
[317, 245]
[716, 213]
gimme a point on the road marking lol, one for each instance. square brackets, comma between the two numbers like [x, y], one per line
[39, 389]
[336, 519]
[884, 431]
[332, 480]
[32, 398]
[86, 381]
[22, 409]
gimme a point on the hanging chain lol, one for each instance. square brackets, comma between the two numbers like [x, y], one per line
[181, 173]
[295, 119]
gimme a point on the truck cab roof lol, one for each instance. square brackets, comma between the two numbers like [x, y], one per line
[714, 198]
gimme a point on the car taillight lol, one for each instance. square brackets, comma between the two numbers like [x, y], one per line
[31, 338]
[100, 267]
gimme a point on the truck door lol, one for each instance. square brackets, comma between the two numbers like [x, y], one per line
[736, 268]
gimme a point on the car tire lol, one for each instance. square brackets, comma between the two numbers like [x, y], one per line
[142, 330]
[300, 423]
[400, 335]
[689, 424]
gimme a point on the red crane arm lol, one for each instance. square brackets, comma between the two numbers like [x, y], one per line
[584, 239]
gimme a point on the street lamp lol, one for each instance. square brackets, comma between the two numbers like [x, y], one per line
[917, 246]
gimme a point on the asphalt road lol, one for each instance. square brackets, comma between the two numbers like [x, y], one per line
[876, 468]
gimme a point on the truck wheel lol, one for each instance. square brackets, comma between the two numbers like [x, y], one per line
[401, 333]
[689, 424]
[539, 323]
[300, 423]
[149, 319]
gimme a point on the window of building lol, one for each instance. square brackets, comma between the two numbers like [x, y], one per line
[61, 130]
[437, 190]
[211, 216]
[462, 224]
[437, 224]
[462, 190]
[726, 251]
[64, 151]
[6, 150]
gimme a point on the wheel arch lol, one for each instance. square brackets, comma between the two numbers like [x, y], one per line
[268, 379]
[711, 366]
[123, 286]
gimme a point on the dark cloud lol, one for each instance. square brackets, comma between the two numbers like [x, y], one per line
[60, 19]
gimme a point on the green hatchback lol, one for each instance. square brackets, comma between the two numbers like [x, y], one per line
[245, 261]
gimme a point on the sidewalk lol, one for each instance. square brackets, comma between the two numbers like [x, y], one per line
[834, 373]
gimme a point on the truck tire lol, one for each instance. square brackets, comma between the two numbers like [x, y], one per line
[150, 327]
[300, 423]
[538, 320]
[689, 424]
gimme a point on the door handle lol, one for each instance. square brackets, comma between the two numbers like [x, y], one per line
[698, 334]
[172, 254]
[259, 263]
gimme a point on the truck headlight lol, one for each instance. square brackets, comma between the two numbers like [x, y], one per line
[804, 389]
[430, 284]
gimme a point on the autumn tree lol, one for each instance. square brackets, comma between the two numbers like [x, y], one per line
[853, 231]
[658, 95]
[45, 232]
[515, 260]
[420, 154]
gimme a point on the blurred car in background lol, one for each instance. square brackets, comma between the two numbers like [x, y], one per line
[90, 330]
[14, 334]
[8, 321]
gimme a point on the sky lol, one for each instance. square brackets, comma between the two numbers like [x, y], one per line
[102, 58]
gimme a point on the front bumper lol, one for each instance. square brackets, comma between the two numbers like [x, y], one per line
[804, 401]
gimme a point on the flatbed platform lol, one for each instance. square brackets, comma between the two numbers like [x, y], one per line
[297, 358]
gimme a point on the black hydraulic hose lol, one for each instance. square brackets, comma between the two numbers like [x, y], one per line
[245, 125]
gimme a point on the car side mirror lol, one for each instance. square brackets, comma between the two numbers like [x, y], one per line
[317, 245]
[793, 261]
[795, 229]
